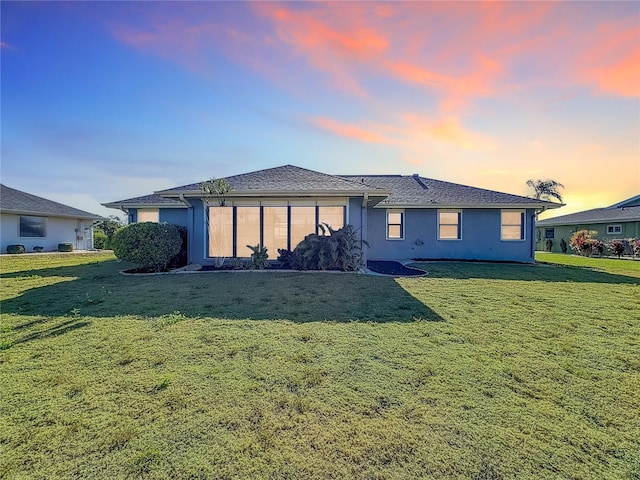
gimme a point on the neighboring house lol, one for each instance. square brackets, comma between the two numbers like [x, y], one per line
[33, 221]
[399, 216]
[619, 221]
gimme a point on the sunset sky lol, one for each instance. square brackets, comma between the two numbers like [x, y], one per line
[111, 100]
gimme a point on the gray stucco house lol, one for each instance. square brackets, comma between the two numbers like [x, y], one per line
[399, 216]
[618, 221]
[32, 221]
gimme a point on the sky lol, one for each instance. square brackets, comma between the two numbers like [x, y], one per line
[103, 101]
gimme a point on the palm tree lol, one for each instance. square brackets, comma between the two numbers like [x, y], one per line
[544, 189]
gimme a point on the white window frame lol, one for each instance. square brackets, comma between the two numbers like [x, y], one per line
[522, 225]
[155, 212]
[402, 223]
[611, 229]
[459, 225]
[44, 226]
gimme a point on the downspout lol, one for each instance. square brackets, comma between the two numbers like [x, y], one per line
[364, 226]
[189, 228]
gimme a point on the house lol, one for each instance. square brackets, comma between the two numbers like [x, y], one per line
[33, 221]
[399, 216]
[618, 221]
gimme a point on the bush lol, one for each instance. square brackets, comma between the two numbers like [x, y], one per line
[583, 243]
[65, 247]
[100, 240]
[617, 247]
[151, 246]
[259, 257]
[340, 250]
[15, 249]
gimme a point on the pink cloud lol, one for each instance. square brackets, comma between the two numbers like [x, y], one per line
[411, 132]
[347, 130]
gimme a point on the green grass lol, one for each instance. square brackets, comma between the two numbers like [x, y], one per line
[483, 371]
[625, 266]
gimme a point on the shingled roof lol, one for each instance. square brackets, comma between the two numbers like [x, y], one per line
[417, 191]
[19, 202]
[153, 200]
[625, 211]
[389, 190]
[286, 180]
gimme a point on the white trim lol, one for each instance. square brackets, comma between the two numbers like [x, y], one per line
[20, 217]
[615, 226]
[403, 222]
[473, 205]
[459, 224]
[523, 225]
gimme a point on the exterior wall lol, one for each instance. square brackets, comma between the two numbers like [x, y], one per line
[480, 237]
[629, 230]
[176, 216]
[58, 230]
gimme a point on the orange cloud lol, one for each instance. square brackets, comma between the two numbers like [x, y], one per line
[410, 132]
[348, 130]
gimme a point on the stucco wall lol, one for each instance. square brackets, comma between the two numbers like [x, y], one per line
[480, 237]
[58, 230]
[176, 216]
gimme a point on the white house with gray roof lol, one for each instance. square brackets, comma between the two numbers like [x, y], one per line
[399, 216]
[618, 221]
[34, 221]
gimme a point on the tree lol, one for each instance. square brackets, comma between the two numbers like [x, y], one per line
[110, 225]
[107, 227]
[545, 189]
[217, 187]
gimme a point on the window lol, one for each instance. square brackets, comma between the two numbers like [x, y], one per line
[275, 229]
[449, 224]
[614, 229]
[333, 216]
[549, 233]
[275, 225]
[303, 222]
[512, 225]
[220, 231]
[395, 224]
[247, 229]
[148, 215]
[33, 227]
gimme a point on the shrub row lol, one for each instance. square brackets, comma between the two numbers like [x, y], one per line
[584, 243]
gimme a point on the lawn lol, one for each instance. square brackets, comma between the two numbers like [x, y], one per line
[477, 371]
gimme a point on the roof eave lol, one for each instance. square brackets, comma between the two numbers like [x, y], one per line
[591, 221]
[535, 206]
[120, 206]
[49, 214]
[279, 193]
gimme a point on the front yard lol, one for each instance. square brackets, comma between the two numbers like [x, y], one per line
[478, 371]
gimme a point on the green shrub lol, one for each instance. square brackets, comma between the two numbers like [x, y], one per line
[15, 249]
[65, 247]
[339, 250]
[259, 257]
[100, 240]
[149, 245]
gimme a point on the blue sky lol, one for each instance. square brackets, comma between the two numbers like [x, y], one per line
[110, 100]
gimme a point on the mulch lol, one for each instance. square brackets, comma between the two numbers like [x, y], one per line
[388, 267]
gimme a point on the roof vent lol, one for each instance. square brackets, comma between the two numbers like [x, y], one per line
[419, 181]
